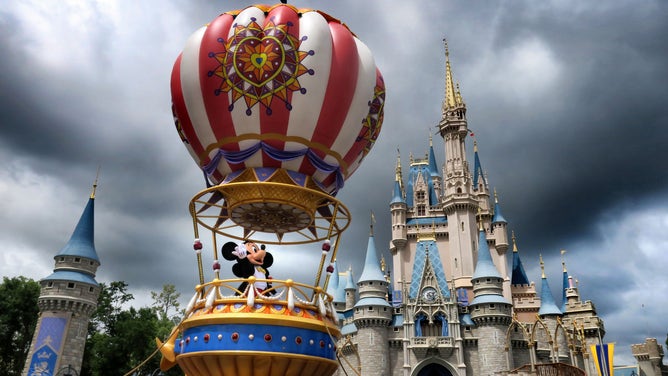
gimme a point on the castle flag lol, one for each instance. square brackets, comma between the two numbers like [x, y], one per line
[603, 358]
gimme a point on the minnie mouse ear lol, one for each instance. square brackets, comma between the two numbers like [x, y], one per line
[227, 249]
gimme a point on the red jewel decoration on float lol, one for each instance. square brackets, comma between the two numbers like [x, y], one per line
[326, 246]
[267, 337]
[322, 344]
[216, 265]
[298, 340]
[206, 337]
[330, 269]
[235, 336]
[197, 245]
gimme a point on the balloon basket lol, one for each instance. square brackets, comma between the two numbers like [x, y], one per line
[288, 329]
[288, 205]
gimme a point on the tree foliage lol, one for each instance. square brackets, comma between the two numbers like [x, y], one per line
[121, 338]
[18, 317]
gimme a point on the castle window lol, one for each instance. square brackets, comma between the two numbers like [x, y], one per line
[396, 329]
[421, 210]
[62, 259]
[420, 195]
[70, 285]
[90, 289]
[459, 190]
[492, 306]
[49, 284]
[77, 259]
[370, 308]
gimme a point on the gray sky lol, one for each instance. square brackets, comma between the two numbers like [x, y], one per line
[567, 100]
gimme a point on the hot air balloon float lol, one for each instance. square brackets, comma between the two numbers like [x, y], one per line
[278, 106]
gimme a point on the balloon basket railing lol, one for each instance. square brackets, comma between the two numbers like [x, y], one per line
[288, 329]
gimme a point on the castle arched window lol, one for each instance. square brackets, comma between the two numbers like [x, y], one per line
[420, 195]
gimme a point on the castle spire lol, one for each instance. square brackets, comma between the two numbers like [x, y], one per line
[478, 175]
[451, 95]
[565, 283]
[519, 276]
[547, 304]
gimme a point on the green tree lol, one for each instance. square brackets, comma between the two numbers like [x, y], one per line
[166, 301]
[18, 317]
[121, 339]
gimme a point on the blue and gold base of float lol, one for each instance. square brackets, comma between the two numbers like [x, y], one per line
[289, 333]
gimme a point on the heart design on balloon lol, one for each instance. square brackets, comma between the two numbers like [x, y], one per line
[258, 61]
[260, 65]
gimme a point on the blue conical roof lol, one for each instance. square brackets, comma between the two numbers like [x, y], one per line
[350, 284]
[371, 270]
[563, 290]
[334, 281]
[397, 196]
[81, 242]
[484, 268]
[477, 171]
[519, 276]
[498, 217]
[433, 169]
[547, 304]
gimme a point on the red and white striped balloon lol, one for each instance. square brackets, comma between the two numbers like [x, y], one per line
[277, 87]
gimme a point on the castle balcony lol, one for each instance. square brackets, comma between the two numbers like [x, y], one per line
[423, 345]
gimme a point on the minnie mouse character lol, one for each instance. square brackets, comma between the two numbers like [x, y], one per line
[251, 261]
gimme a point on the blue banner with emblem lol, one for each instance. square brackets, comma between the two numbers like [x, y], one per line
[47, 347]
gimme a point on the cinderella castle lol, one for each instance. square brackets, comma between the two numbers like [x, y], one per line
[451, 302]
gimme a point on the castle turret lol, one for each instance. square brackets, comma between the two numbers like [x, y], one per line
[335, 288]
[525, 299]
[458, 203]
[650, 357]
[372, 315]
[67, 299]
[398, 211]
[550, 316]
[490, 311]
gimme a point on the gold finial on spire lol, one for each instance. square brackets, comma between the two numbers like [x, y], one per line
[496, 196]
[542, 266]
[563, 260]
[431, 144]
[97, 175]
[411, 158]
[475, 146]
[512, 236]
[480, 219]
[382, 263]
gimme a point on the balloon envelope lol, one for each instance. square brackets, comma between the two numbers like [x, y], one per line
[277, 87]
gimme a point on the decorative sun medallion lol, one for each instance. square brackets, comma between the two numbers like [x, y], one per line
[260, 65]
[373, 121]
